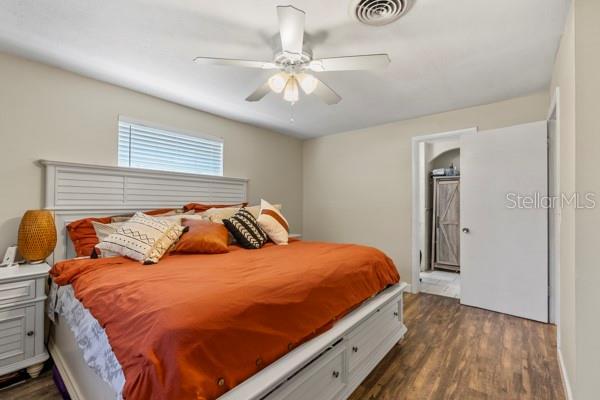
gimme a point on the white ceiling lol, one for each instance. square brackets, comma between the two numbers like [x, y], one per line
[446, 54]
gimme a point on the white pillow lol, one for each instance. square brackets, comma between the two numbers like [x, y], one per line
[125, 218]
[142, 238]
[272, 221]
[103, 231]
[179, 217]
[219, 214]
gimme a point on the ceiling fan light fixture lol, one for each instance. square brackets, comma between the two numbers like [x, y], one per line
[293, 58]
[291, 92]
[278, 82]
[307, 82]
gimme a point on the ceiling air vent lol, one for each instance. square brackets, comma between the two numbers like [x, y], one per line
[379, 12]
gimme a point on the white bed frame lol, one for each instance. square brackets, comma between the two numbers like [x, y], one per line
[328, 367]
[74, 191]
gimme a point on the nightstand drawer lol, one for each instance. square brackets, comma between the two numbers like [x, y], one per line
[17, 336]
[22, 297]
[17, 291]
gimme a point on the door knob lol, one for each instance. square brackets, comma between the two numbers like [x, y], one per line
[466, 230]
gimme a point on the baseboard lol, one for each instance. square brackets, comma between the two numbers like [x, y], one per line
[564, 375]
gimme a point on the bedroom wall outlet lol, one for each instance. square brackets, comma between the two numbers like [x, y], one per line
[9, 256]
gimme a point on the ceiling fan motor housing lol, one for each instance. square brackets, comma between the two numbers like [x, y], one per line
[292, 62]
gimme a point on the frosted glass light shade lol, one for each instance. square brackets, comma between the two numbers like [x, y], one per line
[291, 90]
[278, 81]
[308, 82]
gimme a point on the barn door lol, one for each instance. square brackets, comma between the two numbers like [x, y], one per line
[447, 224]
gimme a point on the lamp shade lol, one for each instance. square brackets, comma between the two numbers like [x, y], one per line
[308, 82]
[290, 92]
[278, 81]
[37, 235]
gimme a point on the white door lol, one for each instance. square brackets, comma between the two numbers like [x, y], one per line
[504, 238]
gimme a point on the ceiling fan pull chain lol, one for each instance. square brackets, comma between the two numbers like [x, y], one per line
[292, 120]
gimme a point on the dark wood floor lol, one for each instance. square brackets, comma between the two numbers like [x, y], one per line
[454, 352]
[40, 388]
[451, 352]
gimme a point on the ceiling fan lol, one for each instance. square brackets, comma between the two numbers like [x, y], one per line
[293, 59]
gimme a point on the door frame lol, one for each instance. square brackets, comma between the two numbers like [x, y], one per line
[554, 215]
[418, 161]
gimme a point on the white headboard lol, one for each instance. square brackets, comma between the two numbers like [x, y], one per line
[75, 191]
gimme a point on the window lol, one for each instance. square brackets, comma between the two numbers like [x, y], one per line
[143, 146]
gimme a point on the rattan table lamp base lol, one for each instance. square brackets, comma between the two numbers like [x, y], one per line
[37, 236]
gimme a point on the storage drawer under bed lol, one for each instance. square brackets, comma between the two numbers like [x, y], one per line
[328, 376]
[325, 381]
[362, 341]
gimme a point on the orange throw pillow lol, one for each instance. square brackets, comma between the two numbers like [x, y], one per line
[83, 235]
[203, 237]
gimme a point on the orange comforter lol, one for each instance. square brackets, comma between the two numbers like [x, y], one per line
[195, 326]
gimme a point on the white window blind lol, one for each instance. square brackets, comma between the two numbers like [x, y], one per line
[142, 146]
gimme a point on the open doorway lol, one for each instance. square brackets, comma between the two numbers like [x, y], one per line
[440, 269]
[514, 273]
[436, 213]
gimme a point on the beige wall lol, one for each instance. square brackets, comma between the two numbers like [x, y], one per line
[357, 185]
[564, 78]
[587, 221]
[48, 113]
[577, 74]
[447, 158]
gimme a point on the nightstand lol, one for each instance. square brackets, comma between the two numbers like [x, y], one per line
[22, 300]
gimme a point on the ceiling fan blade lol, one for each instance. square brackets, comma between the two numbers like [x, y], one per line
[259, 93]
[326, 94]
[235, 63]
[350, 63]
[291, 28]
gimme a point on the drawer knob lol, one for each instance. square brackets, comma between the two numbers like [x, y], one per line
[336, 374]
[355, 349]
[30, 333]
[395, 313]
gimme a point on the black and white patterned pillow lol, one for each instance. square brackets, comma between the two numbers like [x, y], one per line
[245, 230]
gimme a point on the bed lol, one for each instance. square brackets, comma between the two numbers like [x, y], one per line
[330, 349]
